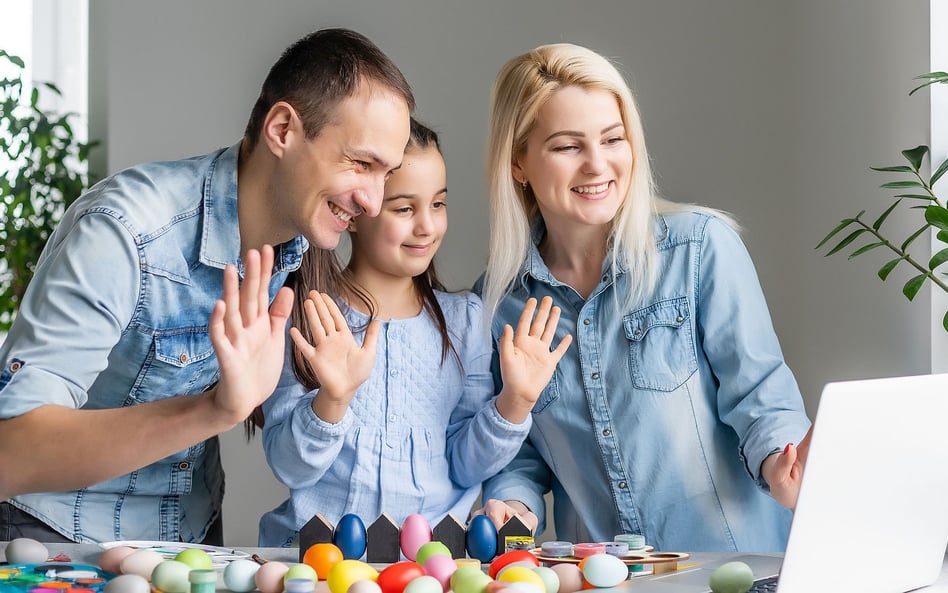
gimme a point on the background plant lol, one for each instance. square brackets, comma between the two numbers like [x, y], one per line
[918, 191]
[44, 173]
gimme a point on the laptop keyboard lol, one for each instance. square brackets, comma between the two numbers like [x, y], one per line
[768, 585]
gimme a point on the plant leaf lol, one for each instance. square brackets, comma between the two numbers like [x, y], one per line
[849, 239]
[937, 216]
[881, 219]
[843, 224]
[944, 322]
[866, 248]
[925, 197]
[913, 237]
[901, 184]
[938, 173]
[915, 156]
[942, 236]
[894, 169]
[912, 287]
[938, 259]
[885, 270]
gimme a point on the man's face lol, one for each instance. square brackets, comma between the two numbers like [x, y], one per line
[325, 181]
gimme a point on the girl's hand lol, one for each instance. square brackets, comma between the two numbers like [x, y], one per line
[526, 361]
[499, 512]
[339, 362]
[784, 471]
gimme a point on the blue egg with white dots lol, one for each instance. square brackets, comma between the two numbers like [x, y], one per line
[481, 538]
[349, 537]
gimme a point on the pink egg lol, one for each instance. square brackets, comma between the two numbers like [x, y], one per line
[441, 567]
[415, 532]
[269, 577]
[571, 578]
[110, 559]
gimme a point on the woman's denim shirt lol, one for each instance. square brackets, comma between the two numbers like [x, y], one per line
[117, 315]
[658, 418]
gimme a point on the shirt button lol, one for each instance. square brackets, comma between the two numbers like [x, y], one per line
[586, 321]
[637, 332]
[679, 319]
[184, 465]
[392, 418]
[605, 278]
[15, 366]
[595, 375]
[606, 432]
[622, 485]
[394, 373]
[183, 358]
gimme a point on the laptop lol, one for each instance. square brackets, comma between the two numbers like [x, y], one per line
[872, 515]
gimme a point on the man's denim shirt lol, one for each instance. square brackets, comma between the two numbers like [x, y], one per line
[658, 418]
[117, 315]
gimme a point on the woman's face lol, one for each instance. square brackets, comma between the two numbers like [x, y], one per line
[402, 240]
[578, 158]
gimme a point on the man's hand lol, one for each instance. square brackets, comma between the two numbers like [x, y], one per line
[499, 512]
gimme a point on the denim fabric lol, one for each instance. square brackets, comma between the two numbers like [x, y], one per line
[659, 416]
[419, 436]
[117, 315]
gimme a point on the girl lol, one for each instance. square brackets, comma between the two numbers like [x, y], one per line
[397, 415]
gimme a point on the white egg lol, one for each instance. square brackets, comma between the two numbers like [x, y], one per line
[239, 574]
[141, 562]
[24, 550]
[364, 586]
[128, 583]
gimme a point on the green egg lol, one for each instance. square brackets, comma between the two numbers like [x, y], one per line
[468, 579]
[732, 577]
[430, 549]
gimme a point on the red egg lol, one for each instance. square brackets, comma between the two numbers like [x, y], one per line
[415, 532]
[395, 577]
[509, 558]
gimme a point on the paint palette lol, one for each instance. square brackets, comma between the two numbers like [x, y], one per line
[220, 557]
[52, 577]
[660, 561]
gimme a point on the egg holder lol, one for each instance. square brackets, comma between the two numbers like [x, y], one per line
[661, 562]
[59, 578]
[384, 541]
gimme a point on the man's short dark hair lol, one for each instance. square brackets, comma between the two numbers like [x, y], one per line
[320, 70]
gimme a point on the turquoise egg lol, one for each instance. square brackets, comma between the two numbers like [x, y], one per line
[349, 537]
[481, 539]
[731, 577]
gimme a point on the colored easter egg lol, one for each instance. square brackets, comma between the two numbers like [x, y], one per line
[469, 579]
[269, 577]
[346, 572]
[441, 567]
[364, 586]
[349, 537]
[300, 571]
[415, 532]
[25, 550]
[141, 562]
[481, 539]
[523, 587]
[551, 581]
[322, 557]
[509, 558]
[110, 559]
[128, 583]
[522, 574]
[731, 577]
[430, 549]
[395, 577]
[571, 578]
[171, 576]
[239, 574]
[196, 558]
[604, 570]
[424, 584]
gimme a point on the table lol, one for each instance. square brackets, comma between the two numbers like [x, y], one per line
[89, 554]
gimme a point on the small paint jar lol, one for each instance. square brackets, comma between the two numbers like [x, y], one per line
[557, 549]
[203, 581]
[299, 586]
[616, 548]
[586, 550]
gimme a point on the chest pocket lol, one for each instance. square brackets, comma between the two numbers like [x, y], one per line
[661, 345]
[181, 361]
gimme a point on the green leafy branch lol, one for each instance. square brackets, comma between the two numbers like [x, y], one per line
[920, 190]
[42, 176]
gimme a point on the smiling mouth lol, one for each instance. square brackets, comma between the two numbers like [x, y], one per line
[592, 189]
[340, 213]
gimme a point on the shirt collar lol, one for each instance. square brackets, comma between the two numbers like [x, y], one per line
[220, 243]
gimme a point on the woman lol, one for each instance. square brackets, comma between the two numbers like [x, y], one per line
[674, 414]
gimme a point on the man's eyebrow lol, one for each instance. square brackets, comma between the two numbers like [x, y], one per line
[606, 129]
[369, 155]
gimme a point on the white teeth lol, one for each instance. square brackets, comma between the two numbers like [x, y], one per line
[591, 189]
[340, 213]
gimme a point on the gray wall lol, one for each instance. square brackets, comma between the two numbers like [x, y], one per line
[771, 110]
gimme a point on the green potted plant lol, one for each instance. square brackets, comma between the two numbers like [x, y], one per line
[918, 191]
[42, 174]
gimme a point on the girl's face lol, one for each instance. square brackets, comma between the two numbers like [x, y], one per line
[578, 159]
[402, 240]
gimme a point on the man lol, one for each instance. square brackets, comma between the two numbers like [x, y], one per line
[124, 361]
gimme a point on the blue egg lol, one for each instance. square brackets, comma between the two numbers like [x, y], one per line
[349, 537]
[481, 539]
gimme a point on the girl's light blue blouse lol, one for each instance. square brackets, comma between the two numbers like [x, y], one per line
[658, 418]
[419, 436]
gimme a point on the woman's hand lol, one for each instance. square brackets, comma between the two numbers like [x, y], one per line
[783, 472]
[499, 512]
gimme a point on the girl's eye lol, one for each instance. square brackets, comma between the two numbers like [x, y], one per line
[566, 148]
[403, 210]
[615, 140]
[439, 204]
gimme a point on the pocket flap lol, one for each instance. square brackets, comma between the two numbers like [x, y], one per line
[183, 346]
[668, 313]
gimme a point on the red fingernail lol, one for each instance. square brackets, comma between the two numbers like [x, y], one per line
[787, 448]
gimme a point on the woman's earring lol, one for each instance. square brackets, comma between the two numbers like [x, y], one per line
[523, 184]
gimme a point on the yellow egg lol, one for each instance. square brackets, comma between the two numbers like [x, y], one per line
[522, 574]
[345, 572]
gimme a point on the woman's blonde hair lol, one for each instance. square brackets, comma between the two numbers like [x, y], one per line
[521, 89]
